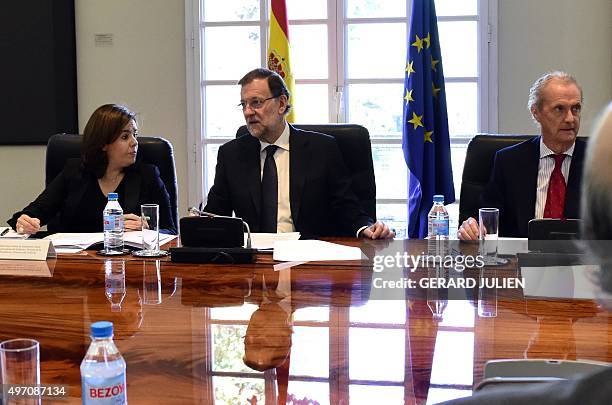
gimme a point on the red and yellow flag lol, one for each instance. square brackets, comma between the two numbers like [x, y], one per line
[278, 48]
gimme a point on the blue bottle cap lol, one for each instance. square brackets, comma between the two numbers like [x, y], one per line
[436, 198]
[113, 196]
[102, 329]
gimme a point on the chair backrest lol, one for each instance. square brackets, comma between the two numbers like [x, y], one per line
[477, 169]
[354, 143]
[525, 372]
[153, 150]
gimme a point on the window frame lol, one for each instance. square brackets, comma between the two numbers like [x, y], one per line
[487, 109]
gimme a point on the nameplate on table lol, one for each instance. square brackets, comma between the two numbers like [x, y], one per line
[26, 249]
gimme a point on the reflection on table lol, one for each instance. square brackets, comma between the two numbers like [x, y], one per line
[319, 332]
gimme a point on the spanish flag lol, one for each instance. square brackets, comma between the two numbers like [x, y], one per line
[278, 48]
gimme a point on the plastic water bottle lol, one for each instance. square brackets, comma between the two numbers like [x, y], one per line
[113, 225]
[103, 369]
[437, 228]
[438, 219]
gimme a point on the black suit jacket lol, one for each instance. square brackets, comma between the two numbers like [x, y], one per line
[65, 196]
[513, 183]
[322, 202]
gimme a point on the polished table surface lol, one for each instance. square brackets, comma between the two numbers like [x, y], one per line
[188, 331]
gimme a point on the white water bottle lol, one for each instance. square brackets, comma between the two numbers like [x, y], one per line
[103, 369]
[438, 219]
[113, 225]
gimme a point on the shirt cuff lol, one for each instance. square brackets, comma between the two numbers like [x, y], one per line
[361, 229]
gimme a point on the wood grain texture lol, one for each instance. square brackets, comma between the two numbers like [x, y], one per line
[176, 345]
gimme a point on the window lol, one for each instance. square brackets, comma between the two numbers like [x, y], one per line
[348, 57]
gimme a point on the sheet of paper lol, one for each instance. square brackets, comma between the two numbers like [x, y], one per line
[313, 250]
[264, 241]
[7, 232]
[560, 281]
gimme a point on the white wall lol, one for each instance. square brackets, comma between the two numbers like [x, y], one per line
[145, 68]
[536, 36]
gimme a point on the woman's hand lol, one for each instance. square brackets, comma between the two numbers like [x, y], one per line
[132, 222]
[28, 225]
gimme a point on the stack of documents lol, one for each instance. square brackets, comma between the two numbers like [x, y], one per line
[75, 242]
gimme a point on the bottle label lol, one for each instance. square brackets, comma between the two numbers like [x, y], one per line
[113, 222]
[439, 227]
[107, 392]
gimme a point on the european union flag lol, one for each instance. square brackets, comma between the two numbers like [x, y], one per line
[425, 139]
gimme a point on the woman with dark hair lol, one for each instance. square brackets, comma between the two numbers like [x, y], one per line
[107, 164]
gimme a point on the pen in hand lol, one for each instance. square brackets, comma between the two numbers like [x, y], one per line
[6, 230]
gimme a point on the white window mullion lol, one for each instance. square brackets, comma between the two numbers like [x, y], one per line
[263, 30]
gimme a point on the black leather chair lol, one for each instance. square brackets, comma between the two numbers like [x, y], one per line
[354, 143]
[153, 150]
[477, 169]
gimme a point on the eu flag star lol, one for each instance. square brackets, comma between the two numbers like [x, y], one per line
[427, 40]
[416, 120]
[409, 68]
[428, 135]
[418, 43]
[408, 96]
[435, 90]
[434, 62]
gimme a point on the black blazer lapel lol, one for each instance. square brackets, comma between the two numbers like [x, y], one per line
[572, 194]
[299, 156]
[529, 170]
[251, 168]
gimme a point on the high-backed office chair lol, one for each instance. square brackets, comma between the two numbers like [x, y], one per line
[153, 150]
[354, 143]
[532, 371]
[477, 169]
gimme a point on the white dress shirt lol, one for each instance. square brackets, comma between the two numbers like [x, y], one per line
[284, 222]
[545, 168]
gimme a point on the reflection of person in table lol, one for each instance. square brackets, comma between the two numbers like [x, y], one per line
[108, 164]
[267, 342]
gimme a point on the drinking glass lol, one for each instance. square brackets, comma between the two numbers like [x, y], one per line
[20, 364]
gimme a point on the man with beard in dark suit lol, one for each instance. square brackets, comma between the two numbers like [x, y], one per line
[282, 179]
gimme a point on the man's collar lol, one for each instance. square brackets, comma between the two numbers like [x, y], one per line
[546, 151]
[282, 141]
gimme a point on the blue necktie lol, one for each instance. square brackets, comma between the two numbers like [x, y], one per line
[269, 192]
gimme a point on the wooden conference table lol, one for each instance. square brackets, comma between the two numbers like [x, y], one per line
[183, 328]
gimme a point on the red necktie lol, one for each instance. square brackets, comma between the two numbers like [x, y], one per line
[555, 198]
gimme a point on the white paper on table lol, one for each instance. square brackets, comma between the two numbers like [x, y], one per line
[263, 241]
[561, 281]
[313, 250]
[8, 233]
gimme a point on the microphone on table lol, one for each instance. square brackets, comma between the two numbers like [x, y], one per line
[212, 238]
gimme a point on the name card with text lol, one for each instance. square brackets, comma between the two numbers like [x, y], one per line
[27, 249]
